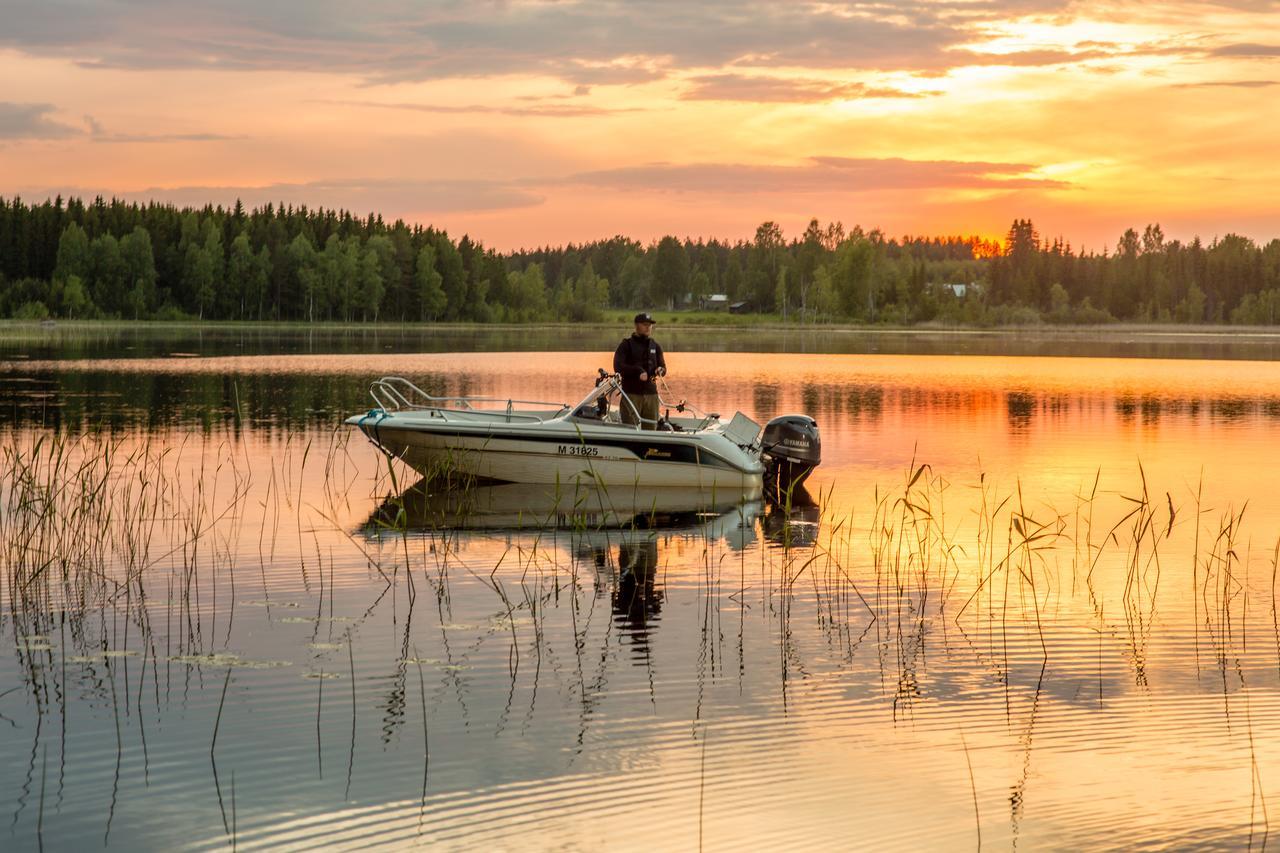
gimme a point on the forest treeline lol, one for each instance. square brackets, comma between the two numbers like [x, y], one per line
[115, 259]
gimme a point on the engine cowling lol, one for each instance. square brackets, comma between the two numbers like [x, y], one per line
[791, 448]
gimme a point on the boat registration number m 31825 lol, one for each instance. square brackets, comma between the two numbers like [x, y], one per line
[578, 450]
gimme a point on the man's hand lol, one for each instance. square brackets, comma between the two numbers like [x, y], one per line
[644, 377]
[661, 371]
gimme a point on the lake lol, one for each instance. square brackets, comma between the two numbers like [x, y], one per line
[1034, 605]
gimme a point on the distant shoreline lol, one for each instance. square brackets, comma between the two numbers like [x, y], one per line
[673, 324]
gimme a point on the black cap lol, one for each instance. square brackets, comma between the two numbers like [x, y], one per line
[645, 317]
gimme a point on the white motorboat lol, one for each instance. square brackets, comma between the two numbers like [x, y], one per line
[519, 441]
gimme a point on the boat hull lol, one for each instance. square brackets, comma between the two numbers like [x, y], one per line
[561, 456]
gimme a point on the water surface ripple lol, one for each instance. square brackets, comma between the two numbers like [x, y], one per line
[1034, 606]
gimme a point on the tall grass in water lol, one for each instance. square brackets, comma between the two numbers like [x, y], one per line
[92, 523]
[76, 529]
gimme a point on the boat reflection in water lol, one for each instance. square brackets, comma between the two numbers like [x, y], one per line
[622, 534]
[592, 514]
[583, 509]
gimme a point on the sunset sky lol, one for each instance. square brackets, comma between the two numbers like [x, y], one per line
[528, 123]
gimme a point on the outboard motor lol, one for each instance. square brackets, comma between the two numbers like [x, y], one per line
[791, 448]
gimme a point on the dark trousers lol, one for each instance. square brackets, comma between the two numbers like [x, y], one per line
[648, 405]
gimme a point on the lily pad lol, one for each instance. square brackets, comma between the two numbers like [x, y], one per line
[224, 660]
[506, 623]
[98, 657]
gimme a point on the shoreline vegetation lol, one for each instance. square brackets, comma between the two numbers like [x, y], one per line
[113, 259]
[25, 344]
[12, 328]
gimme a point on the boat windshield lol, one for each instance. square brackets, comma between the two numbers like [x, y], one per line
[607, 400]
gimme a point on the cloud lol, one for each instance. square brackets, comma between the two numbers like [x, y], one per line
[1234, 84]
[388, 196]
[98, 133]
[739, 87]
[1247, 50]
[415, 200]
[539, 111]
[818, 175]
[595, 42]
[423, 198]
[32, 121]
[166, 137]
[1031, 58]
[581, 42]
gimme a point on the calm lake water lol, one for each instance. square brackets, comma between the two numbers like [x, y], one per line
[1034, 607]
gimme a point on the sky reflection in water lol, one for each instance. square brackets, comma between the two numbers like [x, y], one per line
[1018, 626]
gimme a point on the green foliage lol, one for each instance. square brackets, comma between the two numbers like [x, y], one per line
[170, 313]
[197, 277]
[1191, 309]
[244, 293]
[16, 294]
[334, 291]
[851, 278]
[583, 300]
[634, 281]
[1258, 309]
[1086, 315]
[1012, 315]
[71, 299]
[73, 254]
[764, 261]
[430, 290]
[115, 259]
[453, 278]
[139, 273]
[527, 295]
[109, 276]
[1059, 304]
[216, 263]
[670, 272]
[303, 272]
[826, 300]
[369, 287]
[35, 310]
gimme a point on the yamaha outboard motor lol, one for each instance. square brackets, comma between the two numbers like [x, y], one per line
[791, 449]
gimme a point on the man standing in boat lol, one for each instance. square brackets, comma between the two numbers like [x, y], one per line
[639, 361]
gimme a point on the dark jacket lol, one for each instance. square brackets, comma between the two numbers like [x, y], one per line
[636, 355]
